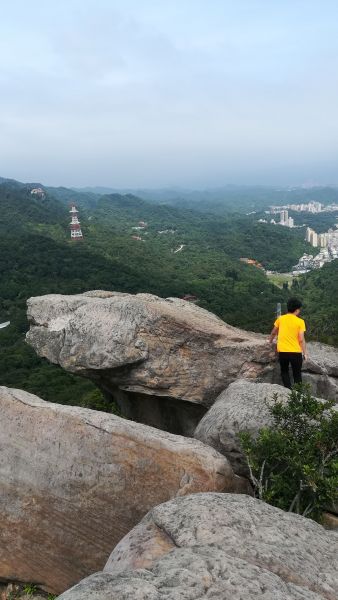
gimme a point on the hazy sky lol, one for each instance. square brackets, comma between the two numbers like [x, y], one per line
[147, 93]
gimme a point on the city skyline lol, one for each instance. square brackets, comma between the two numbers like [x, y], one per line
[144, 94]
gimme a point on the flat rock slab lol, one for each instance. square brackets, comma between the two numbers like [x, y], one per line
[222, 547]
[74, 481]
[243, 406]
[145, 344]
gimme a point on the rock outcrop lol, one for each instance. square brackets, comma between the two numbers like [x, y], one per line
[243, 406]
[330, 520]
[320, 370]
[164, 362]
[74, 481]
[219, 546]
[147, 352]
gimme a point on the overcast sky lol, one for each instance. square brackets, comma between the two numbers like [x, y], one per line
[194, 93]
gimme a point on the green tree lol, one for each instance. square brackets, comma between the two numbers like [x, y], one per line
[294, 463]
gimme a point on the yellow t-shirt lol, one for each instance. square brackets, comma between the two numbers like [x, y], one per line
[289, 326]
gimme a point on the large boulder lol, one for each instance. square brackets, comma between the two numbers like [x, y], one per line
[243, 406]
[320, 370]
[146, 352]
[322, 359]
[74, 481]
[219, 546]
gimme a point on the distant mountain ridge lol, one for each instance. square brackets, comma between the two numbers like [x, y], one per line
[37, 257]
[233, 198]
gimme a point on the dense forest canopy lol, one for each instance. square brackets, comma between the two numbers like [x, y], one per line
[37, 257]
[320, 222]
[319, 290]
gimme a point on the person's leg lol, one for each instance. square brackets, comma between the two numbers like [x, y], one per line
[284, 368]
[296, 360]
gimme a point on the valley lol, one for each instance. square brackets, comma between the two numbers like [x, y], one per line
[181, 252]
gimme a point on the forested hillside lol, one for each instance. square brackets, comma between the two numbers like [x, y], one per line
[237, 236]
[319, 292]
[320, 222]
[180, 252]
[231, 198]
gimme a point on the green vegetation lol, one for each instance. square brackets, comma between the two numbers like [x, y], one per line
[276, 248]
[15, 591]
[236, 236]
[294, 463]
[320, 222]
[281, 280]
[240, 199]
[37, 257]
[30, 589]
[319, 292]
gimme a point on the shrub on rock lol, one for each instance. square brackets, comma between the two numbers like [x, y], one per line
[294, 463]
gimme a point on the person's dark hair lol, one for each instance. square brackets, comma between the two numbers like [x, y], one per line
[293, 304]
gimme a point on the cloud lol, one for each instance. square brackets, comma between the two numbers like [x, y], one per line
[135, 93]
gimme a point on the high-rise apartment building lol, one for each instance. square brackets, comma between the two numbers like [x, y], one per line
[314, 239]
[308, 234]
[323, 239]
[284, 215]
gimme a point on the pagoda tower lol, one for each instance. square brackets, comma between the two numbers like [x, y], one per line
[75, 227]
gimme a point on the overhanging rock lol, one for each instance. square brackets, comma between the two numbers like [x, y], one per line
[147, 352]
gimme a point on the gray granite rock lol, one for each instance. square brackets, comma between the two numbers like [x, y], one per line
[322, 359]
[320, 370]
[222, 547]
[243, 406]
[163, 361]
[74, 481]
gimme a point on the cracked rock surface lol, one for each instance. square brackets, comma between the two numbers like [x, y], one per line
[74, 481]
[320, 370]
[220, 547]
[243, 406]
[146, 352]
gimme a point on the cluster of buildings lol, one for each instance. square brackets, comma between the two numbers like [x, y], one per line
[308, 262]
[311, 207]
[317, 240]
[285, 220]
[328, 242]
[139, 228]
[322, 240]
[39, 192]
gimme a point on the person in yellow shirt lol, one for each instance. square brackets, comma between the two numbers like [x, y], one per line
[291, 347]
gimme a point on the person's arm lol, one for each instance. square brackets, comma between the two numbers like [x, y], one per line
[273, 334]
[302, 343]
